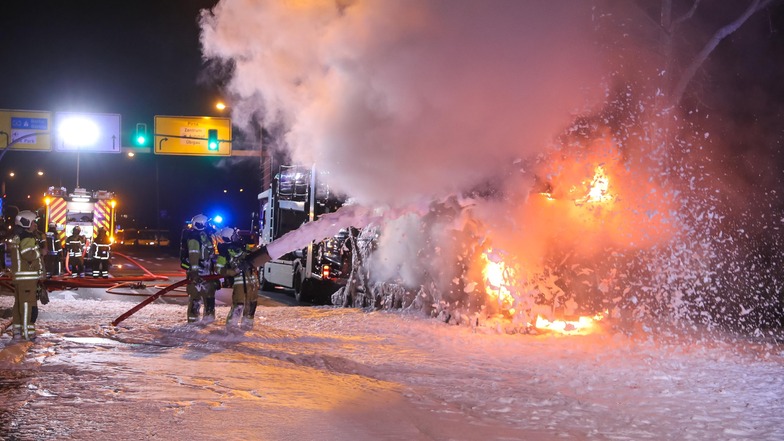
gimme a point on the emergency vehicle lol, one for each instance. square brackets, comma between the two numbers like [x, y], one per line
[297, 196]
[86, 209]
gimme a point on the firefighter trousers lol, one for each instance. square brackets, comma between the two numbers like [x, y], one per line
[201, 292]
[25, 309]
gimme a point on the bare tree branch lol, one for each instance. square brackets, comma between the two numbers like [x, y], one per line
[699, 59]
[687, 15]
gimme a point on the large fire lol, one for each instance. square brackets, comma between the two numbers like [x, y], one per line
[498, 276]
[555, 256]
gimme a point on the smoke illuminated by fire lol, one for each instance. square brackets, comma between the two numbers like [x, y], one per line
[472, 120]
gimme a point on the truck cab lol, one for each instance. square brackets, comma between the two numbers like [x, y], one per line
[297, 196]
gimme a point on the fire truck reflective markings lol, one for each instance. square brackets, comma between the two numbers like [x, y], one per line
[57, 210]
[102, 213]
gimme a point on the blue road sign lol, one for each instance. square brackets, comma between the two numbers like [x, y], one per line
[29, 123]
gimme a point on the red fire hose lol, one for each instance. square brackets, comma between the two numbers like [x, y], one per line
[154, 297]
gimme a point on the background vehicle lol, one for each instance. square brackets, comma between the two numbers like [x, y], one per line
[128, 236]
[297, 196]
[156, 238]
[83, 208]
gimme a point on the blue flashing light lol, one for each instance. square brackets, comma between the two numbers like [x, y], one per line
[218, 219]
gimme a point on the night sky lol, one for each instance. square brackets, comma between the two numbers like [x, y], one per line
[143, 58]
[138, 59]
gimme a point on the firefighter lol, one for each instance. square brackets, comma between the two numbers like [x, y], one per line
[232, 262]
[27, 271]
[100, 252]
[74, 260]
[200, 244]
[54, 255]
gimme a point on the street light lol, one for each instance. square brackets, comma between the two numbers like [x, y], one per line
[78, 131]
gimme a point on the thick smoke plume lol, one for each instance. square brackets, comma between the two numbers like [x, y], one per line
[483, 127]
[407, 101]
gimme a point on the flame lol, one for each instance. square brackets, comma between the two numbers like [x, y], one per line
[495, 275]
[598, 188]
[498, 277]
[582, 326]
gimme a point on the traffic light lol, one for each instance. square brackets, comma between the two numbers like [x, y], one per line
[212, 139]
[141, 134]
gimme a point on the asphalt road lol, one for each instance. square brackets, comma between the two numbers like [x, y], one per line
[160, 267]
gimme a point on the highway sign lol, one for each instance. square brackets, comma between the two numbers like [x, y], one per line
[26, 130]
[87, 132]
[188, 135]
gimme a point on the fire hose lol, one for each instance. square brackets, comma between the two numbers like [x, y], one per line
[61, 282]
[256, 258]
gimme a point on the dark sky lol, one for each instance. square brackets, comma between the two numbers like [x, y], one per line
[139, 59]
[142, 58]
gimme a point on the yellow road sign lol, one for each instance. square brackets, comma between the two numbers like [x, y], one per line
[26, 130]
[187, 135]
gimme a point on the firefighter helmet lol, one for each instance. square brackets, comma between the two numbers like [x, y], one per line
[77, 230]
[26, 218]
[228, 234]
[199, 222]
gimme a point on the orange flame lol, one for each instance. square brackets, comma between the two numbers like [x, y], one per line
[598, 188]
[496, 275]
[581, 326]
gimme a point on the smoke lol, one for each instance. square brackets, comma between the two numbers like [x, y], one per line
[448, 111]
[407, 100]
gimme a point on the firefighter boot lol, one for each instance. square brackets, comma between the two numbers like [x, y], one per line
[235, 315]
[247, 320]
[209, 309]
[194, 307]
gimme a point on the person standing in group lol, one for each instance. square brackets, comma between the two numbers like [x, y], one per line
[53, 260]
[27, 271]
[198, 254]
[232, 263]
[74, 259]
[100, 252]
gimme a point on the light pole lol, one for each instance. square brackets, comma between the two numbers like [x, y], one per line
[78, 131]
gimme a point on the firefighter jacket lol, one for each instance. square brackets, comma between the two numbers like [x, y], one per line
[53, 246]
[75, 245]
[201, 252]
[101, 248]
[233, 263]
[26, 260]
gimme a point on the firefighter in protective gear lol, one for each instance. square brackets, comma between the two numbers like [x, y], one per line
[53, 260]
[27, 271]
[201, 254]
[74, 258]
[100, 252]
[232, 262]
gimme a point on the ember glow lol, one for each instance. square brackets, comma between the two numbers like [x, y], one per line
[580, 326]
[599, 187]
[497, 276]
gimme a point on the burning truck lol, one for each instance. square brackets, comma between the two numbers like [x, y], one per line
[297, 196]
[570, 220]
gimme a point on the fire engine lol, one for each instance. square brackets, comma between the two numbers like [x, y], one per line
[87, 210]
[296, 196]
